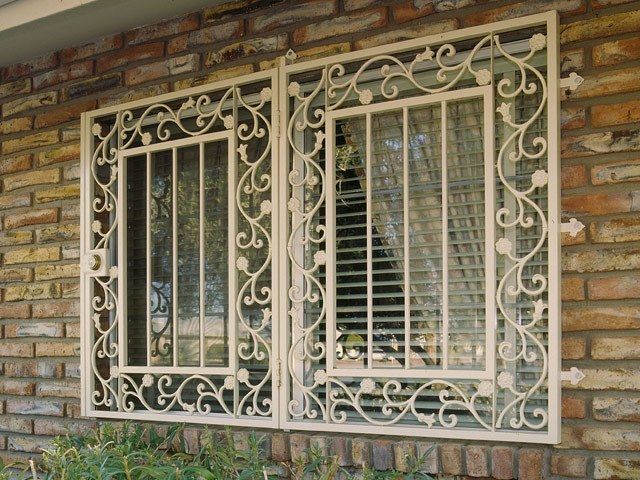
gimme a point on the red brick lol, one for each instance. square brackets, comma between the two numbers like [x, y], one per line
[572, 60]
[530, 464]
[451, 455]
[600, 26]
[90, 49]
[63, 74]
[477, 459]
[26, 69]
[280, 448]
[17, 387]
[15, 125]
[600, 318]
[14, 349]
[91, 86]
[31, 217]
[616, 172]
[600, 203]
[502, 462]
[58, 309]
[573, 407]
[177, 44]
[297, 12]
[616, 468]
[153, 71]
[569, 465]
[411, 9]
[15, 310]
[612, 53]
[573, 176]
[382, 454]
[350, 5]
[572, 289]
[617, 230]
[57, 349]
[65, 113]
[573, 348]
[247, 48]
[608, 82]
[524, 8]
[572, 117]
[129, 55]
[601, 143]
[15, 164]
[166, 28]
[597, 4]
[343, 25]
[615, 113]
[614, 288]
[236, 7]
[16, 87]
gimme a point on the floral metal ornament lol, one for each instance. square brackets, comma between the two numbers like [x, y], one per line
[115, 387]
[501, 405]
[290, 150]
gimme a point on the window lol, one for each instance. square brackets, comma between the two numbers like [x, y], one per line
[367, 241]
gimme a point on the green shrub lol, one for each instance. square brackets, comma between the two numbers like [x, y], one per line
[132, 452]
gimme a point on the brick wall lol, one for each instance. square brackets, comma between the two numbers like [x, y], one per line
[41, 100]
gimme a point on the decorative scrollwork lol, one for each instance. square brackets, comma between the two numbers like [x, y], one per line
[448, 74]
[319, 395]
[241, 393]
[530, 349]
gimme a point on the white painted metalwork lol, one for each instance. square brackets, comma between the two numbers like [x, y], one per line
[238, 388]
[497, 228]
[573, 227]
[572, 82]
[516, 396]
[574, 376]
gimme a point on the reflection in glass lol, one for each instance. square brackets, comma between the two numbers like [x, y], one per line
[161, 301]
[216, 247]
[432, 282]
[188, 249]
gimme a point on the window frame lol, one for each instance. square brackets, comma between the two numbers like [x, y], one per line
[280, 157]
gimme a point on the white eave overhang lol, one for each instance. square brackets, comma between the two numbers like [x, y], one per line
[29, 28]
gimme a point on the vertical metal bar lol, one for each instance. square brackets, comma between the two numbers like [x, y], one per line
[553, 192]
[445, 237]
[232, 210]
[174, 237]
[201, 252]
[489, 225]
[405, 199]
[369, 246]
[148, 259]
[86, 196]
[118, 257]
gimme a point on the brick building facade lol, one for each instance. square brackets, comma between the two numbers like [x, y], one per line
[41, 101]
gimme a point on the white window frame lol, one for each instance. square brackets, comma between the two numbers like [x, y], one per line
[486, 94]
[96, 259]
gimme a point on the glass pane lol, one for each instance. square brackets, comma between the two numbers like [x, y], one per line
[351, 245]
[136, 168]
[161, 259]
[188, 236]
[466, 227]
[425, 235]
[216, 260]
[387, 240]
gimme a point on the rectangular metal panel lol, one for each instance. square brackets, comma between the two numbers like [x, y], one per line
[494, 403]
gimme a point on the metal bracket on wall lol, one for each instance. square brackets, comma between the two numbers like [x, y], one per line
[95, 262]
[573, 227]
[288, 58]
[573, 375]
[571, 82]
